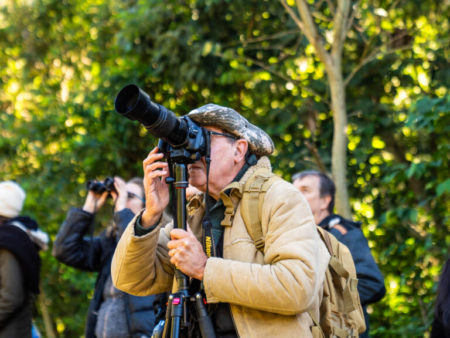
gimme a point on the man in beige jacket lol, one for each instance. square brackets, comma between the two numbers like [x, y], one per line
[249, 293]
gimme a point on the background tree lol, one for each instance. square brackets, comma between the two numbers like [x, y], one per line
[330, 54]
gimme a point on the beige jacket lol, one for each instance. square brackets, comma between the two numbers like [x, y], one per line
[268, 293]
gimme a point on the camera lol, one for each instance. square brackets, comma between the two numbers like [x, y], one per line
[100, 187]
[182, 139]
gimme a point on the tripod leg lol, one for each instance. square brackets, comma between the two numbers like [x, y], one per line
[178, 303]
[204, 321]
[167, 327]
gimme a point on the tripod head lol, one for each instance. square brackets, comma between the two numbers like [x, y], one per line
[194, 147]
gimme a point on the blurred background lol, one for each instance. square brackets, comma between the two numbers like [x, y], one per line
[362, 96]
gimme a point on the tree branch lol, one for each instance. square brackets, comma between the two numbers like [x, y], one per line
[352, 17]
[340, 29]
[309, 29]
[315, 153]
[321, 17]
[332, 9]
[372, 56]
[293, 15]
[318, 4]
[285, 78]
[267, 68]
[270, 37]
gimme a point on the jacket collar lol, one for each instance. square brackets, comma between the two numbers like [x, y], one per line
[196, 206]
[263, 162]
[331, 220]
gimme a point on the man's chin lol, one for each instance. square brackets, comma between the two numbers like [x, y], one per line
[198, 183]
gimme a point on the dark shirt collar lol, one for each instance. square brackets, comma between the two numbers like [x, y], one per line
[331, 220]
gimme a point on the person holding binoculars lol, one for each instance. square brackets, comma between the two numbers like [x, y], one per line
[112, 313]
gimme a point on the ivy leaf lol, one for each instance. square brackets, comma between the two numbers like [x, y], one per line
[443, 187]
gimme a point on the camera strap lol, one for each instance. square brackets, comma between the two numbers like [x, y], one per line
[208, 240]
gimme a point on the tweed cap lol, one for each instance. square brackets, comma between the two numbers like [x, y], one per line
[234, 123]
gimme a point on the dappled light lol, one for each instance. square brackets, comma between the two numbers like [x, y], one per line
[64, 62]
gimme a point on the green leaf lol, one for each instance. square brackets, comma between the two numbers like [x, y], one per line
[443, 187]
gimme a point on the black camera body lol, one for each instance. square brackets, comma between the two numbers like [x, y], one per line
[100, 187]
[181, 140]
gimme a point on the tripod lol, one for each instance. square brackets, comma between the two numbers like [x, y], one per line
[177, 314]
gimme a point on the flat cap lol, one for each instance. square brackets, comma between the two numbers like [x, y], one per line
[235, 124]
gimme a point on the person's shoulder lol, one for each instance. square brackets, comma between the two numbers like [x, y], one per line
[281, 185]
[342, 229]
[345, 227]
[283, 192]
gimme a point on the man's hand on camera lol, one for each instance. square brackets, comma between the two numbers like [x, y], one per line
[120, 197]
[94, 201]
[156, 189]
[187, 253]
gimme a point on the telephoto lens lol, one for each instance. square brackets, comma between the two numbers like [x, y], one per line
[181, 139]
[135, 104]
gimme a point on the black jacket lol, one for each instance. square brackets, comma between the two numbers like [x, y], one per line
[71, 247]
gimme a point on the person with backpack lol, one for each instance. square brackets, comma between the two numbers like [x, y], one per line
[111, 313]
[319, 191]
[264, 288]
[20, 242]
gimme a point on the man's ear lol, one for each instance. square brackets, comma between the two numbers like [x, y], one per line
[241, 147]
[326, 200]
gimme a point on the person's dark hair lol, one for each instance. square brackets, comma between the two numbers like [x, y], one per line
[326, 185]
[442, 310]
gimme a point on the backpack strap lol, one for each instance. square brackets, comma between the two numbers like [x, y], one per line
[337, 266]
[316, 330]
[252, 201]
[230, 203]
[249, 195]
[326, 239]
[335, 263]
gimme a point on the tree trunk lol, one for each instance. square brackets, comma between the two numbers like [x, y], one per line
[339, 149]
[49, 331]
[332, 61]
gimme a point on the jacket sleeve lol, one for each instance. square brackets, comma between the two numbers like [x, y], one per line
[370, 280]
[295, 259]
[12, 293]
[72, 248]
[141, 264]
[141, 315]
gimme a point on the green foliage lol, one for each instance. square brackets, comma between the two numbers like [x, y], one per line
[63, 64]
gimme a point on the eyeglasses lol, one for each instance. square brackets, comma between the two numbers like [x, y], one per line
[133, 195]
[223, 134]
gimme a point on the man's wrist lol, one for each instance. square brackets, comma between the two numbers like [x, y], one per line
[148, 220]
[139, 230]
